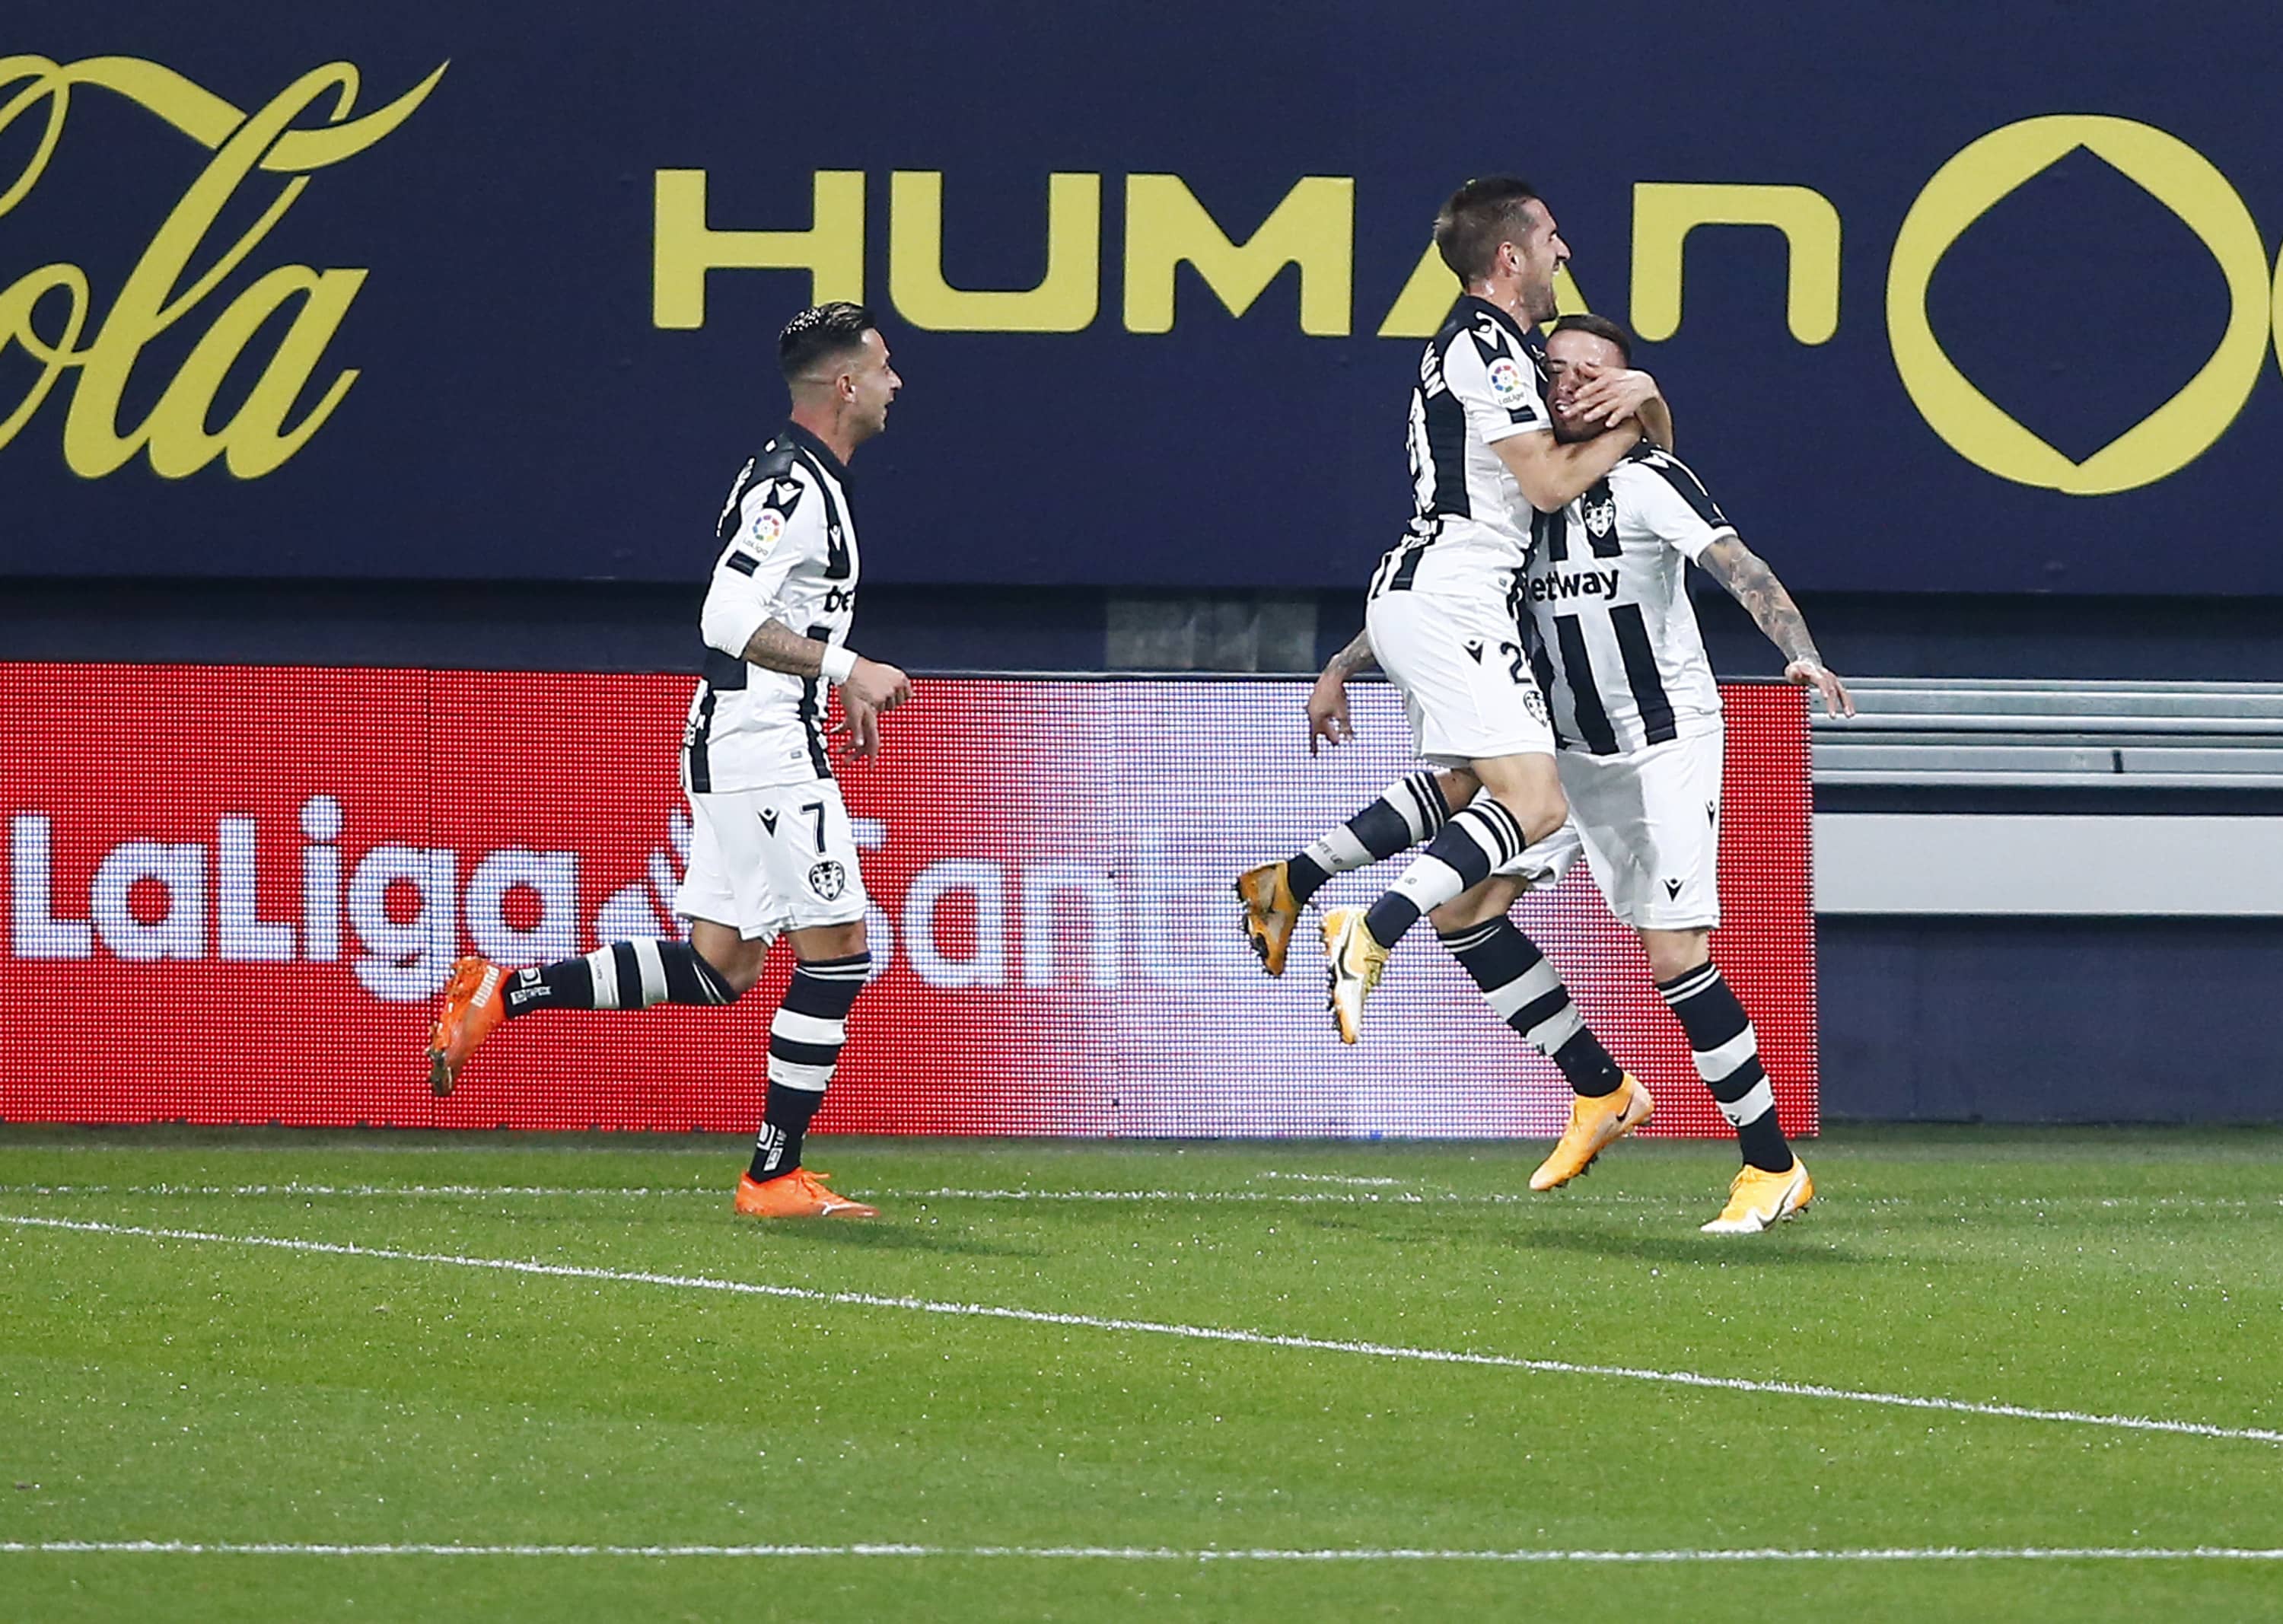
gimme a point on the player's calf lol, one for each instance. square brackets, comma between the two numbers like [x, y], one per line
[626, 975]
[805, 1043]
[1413, 809]
[1524, 990]
[1484, 837]
[1727, 1053]
[1409, 810]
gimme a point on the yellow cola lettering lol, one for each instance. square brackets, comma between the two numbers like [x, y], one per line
[47, 312]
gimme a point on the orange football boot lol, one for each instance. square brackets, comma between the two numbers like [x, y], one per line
[1595, 1124]
[796, 1194]
[472, 1010]
[1270, 912]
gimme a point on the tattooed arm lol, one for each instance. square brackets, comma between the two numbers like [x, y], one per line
[1748, 579]
[867, 686]
[1328, 705]
[776, 647]
[1356, 657]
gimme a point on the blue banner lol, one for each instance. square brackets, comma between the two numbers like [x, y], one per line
[1957, 299]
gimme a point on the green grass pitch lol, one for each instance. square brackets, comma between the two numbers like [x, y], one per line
[621, 1386]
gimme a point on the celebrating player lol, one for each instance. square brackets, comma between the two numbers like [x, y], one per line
[1441, 620]
[770, 850]
[1638, 715]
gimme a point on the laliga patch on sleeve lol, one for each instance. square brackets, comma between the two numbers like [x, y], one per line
[767, 527]
[1507, 385]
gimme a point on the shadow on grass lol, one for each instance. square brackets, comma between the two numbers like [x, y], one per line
[1787, 1248]
[862, 1236]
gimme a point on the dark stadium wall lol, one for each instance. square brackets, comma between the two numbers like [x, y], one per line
[2049, 1021]
[1980, 305]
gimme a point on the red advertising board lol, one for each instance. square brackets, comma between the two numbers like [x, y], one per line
[234, 894]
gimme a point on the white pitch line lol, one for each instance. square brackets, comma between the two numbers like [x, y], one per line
[1199, 1333]
[359, 1191]
[480, 1191]
[1312, 1197]
[1155, 1553]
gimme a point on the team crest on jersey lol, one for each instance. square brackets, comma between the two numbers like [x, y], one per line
[827, 880]
[767, 527]
[1602, 517]
[1507, 386]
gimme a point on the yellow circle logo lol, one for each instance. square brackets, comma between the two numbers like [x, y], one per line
[2177, 176]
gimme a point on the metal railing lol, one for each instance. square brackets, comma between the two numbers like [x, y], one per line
[2035, 734]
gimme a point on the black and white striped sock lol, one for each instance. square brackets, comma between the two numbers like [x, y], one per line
[626, 975]
[1412, 809]
[1475, 841]
[1526, 992]
[805, 1042]
[1728, 1058]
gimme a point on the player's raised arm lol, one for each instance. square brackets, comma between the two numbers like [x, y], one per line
[1682, 513]
[1747, 579]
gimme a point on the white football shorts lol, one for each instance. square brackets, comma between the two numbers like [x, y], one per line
[1467, 684]
[1649, 822]
[765, 861]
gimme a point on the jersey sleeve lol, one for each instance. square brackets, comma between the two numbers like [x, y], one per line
[1500, 389]
[1674, 505]
[779, 521]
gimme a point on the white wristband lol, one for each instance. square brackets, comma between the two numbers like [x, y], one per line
[838, 665]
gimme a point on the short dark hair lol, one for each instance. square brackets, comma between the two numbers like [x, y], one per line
[1601, 327]
[822, 333]
[1480, 215]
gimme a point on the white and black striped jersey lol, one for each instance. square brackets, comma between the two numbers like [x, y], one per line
[788, 553]
[1617, 648]
[1481, 379]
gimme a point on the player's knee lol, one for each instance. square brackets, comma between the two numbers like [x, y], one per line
[1478, 906]
[1461, 913]
[738, 977]
[1527, 786]
[823, 941]
[1540, 809]
[1672, 954]
[1459, 786]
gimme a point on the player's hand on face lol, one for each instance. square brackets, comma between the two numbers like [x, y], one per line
[1327, 714]
[1836, 700]
[880, 687]
[1608, 397]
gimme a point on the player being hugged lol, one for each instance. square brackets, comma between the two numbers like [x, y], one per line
[771, 851]
[1637, 713]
